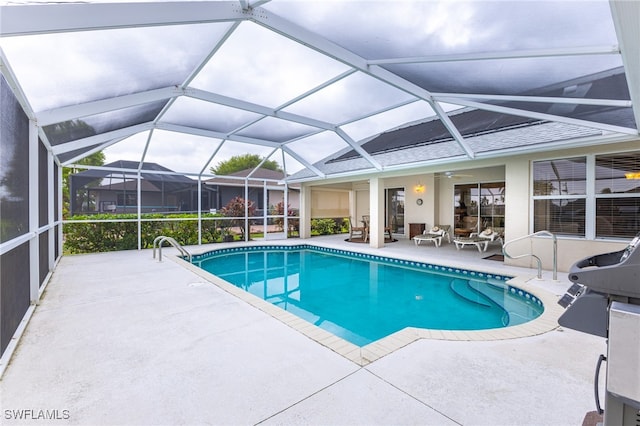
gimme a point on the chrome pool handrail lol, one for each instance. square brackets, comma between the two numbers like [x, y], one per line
[161, 239]
[555, 252]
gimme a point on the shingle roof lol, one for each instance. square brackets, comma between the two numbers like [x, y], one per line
[536, 133]
[256, 178]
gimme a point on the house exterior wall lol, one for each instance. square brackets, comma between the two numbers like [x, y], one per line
[515, 171]
[151, 201]
[256, 194]
[519, 214]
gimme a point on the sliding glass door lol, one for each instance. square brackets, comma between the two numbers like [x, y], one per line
[484, 201]
[394, 210]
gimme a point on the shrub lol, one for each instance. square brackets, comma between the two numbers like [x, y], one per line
[236, 208]
[95, 237]
[323, 226]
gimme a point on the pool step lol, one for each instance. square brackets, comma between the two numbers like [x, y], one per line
[464, 290]
[519, 310]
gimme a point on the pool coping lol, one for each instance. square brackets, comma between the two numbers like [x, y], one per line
[363, 355]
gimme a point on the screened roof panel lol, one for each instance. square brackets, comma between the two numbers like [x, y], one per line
[268, 69]
[317, 147]
[77, 153]
[182, 153]
[276, 130]
[207, 115]
[231, 148]
[469, 122]
[290, 164]
[500, 77]
[261, 76]
[71, 68]
[101, 123]
[131, 148]
[379, 123]
[351, 98]
[604, 89]
[400, 29]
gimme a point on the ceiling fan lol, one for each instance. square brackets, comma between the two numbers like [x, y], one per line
[452, 175]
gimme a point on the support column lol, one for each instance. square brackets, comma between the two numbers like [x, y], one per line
[246, 210]
[305, 211]
[353, 206]
[51, 210]
[265, 209]
[199, 195]
[60, 205]
[376, 212]
[285, 201]
[139, 207]
[34, 208]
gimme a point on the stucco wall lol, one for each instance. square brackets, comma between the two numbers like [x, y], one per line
[438, 206]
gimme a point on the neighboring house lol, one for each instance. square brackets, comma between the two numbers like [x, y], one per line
[265, 189]
[106, 190]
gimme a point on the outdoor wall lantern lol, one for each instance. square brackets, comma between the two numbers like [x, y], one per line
[632, 175]
[419, 188]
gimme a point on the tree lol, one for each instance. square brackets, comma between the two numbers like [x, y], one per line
[243, 162]
[95, 159]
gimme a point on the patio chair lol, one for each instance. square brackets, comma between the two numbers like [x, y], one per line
[446, 231]
[359, 231]
[433, 235]
[367, 224]
[489, 234]
[480, 243]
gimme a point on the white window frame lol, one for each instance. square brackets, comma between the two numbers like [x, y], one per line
[584, 196]
[590, 196]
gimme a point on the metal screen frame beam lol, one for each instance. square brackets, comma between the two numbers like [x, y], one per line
[55, 18]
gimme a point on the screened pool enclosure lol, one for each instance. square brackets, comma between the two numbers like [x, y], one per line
[314, 86]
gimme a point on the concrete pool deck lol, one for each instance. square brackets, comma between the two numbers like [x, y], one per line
[120, 338]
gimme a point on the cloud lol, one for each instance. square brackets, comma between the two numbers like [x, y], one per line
[266, 68]
[259, 66]
[64, 69]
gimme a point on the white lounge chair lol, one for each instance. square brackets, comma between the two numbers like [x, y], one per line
[489, 234]
[480, 243]
[433, 235]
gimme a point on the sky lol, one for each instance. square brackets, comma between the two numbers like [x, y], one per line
[264, 68]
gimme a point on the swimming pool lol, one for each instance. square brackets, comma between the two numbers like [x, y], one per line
[362, 298]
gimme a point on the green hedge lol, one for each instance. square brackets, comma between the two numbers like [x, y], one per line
[95, 237]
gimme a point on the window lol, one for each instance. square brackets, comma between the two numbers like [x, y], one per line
[617, 193]
[559, 190]
[594, 196]
[127, 199]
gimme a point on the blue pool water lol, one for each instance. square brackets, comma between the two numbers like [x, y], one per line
[363, 298]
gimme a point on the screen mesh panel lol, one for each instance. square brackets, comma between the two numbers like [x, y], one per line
[14, 173]
[14, 291]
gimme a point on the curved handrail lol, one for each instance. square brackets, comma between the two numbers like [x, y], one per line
[161, 239]
[555, 252]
